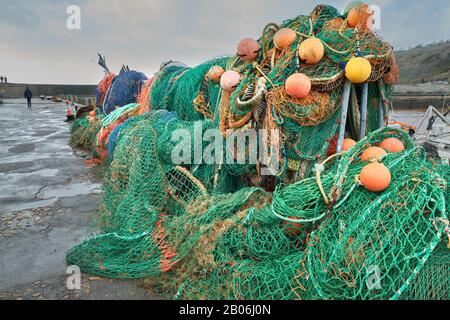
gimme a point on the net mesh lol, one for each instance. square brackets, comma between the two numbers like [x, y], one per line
[433, 282]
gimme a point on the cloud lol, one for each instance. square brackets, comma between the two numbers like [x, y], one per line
[36, 46]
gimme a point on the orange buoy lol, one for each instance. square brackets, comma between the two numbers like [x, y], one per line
[348, 144]
[292, 229]
[373, 154]
[361, 16]
[393, 145]
[229, 80]
[298, 85]
[284, 38]
[375, 177]
[353, 17]
[215, 73]
[351, 5]
[311, 51]
[248, 49]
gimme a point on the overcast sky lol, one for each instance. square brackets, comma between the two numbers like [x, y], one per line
[37, 47]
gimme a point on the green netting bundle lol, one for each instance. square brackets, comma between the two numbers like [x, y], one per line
[134, 197]
[377, 253]
[198, 230]
[254, 244]
[79, 123]
[187, 87]
[164, 81]
[85, 132]
[221, 240]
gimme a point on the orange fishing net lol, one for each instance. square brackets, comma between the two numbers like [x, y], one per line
[143, 99]
[103, 88]
[228, 120]
[364, 16]
[310, 111]
[202, 107]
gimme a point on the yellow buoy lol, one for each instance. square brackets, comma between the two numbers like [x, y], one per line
[358, 70]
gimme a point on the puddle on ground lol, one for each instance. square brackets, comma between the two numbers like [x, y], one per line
[35, 156]
[6, 167]
[44, 173]
[70, 190]
[34, 153]
[28, 205]
[22, 148]
[43, 133]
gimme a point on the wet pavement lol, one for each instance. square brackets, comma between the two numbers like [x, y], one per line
[47, 203]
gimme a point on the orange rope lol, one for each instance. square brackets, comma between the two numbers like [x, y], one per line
[143, 98]
[103, 87]
[159, 236]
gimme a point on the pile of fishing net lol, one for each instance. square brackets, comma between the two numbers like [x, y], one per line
[222, 230]
[123, 90]
[84, 132]
[158, 221]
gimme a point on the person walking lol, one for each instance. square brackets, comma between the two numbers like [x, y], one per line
[28, 94]
[1, 79]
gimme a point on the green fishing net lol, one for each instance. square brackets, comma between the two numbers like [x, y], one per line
[196, 230]
[433, 282]
[84, 133]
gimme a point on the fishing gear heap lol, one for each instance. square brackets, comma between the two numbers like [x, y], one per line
[354, 210]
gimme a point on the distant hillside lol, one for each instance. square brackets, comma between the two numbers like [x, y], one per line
[425, 63]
